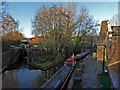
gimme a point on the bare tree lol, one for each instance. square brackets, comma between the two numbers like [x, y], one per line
[114, 20]
[58, 24]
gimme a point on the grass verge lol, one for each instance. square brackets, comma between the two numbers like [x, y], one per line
[45, 64]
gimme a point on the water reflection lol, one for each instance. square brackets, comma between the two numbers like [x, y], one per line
[11, 79]
[21, 75]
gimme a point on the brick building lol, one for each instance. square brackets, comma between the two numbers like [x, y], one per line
[36, 40]
[113, 45]
[108, 45]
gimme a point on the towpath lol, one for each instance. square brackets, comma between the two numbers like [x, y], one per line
[85, 74]
[90, 78]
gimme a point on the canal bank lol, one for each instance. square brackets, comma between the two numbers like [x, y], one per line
[14, 57]
[6, 55]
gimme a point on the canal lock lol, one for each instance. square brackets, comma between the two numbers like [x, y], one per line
[21, 75]
[24, 55]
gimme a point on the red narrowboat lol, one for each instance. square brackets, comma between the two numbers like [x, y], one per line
[70, 61]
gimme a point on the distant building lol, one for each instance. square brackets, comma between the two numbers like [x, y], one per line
[36, 40]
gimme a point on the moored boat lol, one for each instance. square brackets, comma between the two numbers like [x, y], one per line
[70, 61]
[78, 56]
[61, 77]
[81, 55]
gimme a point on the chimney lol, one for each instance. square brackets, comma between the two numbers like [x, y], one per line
[103, 30]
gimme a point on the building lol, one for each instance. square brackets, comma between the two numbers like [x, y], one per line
[108, 45]
[101, 46]
[113, 44]
[36, 40]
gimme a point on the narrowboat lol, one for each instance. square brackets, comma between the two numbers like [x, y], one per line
[70, 61]
[78, 57]
[61, 77]
[81, 55]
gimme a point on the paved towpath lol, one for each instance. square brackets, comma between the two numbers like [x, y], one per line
[90, 78]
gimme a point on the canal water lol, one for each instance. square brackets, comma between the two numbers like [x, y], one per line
[22, 75]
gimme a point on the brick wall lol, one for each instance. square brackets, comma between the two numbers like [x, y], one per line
[100, 50]
[114, 50]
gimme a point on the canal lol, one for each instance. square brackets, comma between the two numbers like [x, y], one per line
[22, 75]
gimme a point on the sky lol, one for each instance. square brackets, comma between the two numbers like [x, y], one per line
[25, 12]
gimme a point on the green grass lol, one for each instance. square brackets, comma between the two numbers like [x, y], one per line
[49, 60]
[45, 64]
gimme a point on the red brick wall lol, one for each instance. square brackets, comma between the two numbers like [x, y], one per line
[119, 48]
[100, 50]
[114, 50]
